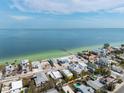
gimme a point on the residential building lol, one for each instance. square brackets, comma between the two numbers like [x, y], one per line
[117, 69]
[52, 91]
[77, 68]
[16, 86]
[95, 84]
[67, 74]
[55, 74]
[1, 75]
[67, 89]
[36, 66]
[103, 62]
[9, 69]
[40, 78]
[25, 65]
[83, 88]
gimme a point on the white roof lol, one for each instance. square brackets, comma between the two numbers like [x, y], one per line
[52, 91]
[16, 85]
[86, 89]
[0, 75]
[95, 84]
[55, 74]
[67, 89]
[40, 78]
[82, 64]
[37, 64]
[76, 68]
[25, 61]
[67, 72]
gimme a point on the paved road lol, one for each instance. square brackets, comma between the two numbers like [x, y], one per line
[121, 90]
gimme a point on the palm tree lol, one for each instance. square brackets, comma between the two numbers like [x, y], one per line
[106, 45]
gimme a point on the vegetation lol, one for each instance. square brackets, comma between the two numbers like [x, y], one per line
[106, 45]
[120, 81]
[122, 45]
[111, 86]
[103, 71]
[101, 91]
[122, 64]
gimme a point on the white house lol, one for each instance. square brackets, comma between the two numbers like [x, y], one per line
[55, 74]
[67, 89]
[16, 86]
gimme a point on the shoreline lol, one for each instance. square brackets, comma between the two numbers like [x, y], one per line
[53, 54]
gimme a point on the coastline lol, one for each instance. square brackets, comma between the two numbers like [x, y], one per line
[52, 54]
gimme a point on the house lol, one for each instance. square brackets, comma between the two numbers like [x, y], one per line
[67, 89]
[63, 60]
[16, 86]
[96, 85]
[107, 80]
[77, 68]
[45, 65]
[83, 65]
[36, 66]
[40, 78]
[55, 74]
[52, 91]
[117, 69]
[25, 65]
[67, 74]
[83, 89]
[9, 69]
[1, 75]
[103, 62]
[92, 67]
[100, 52]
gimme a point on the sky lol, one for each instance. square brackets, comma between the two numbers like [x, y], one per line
[61, 14]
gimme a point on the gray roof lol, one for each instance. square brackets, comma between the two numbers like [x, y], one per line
[52, 91]
[86, 89]
[95, 84]
[76, 67]
[40, 78]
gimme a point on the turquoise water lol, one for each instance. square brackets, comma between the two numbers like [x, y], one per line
[17, 42]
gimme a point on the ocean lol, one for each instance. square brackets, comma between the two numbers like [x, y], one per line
[17, 42]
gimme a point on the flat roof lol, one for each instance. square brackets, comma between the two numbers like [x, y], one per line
[95, 84]
[85, 89]
[40, 78]
[67, 89]
[55, 74]
[52, 91]
[16, 85]
[67, 72]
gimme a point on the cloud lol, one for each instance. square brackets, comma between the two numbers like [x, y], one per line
[67, 6]
[118, 10]
[20, 18]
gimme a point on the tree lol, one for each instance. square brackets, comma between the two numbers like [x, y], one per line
[103, 71]
[1, 67]
[79, 54]
[122, 45]
[32, 88]
[51, 62]
[111, 86]
[106, 45]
